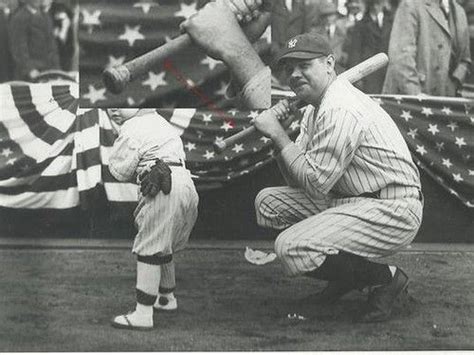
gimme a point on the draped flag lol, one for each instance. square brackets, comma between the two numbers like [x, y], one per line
[36, 146]
[440, 135]
[114, 32]
[52, 156]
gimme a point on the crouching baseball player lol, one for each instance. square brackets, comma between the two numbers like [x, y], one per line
[150, 152]
[354, 191]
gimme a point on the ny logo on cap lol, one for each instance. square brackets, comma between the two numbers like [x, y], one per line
[292, 43]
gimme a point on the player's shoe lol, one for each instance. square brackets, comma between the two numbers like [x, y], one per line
[132, 321]
[166, 303]
[382, 299]
[331, 294]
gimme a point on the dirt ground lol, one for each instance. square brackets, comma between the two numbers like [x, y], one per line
[63, 300]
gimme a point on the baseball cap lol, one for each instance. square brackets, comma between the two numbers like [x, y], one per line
[306, 46]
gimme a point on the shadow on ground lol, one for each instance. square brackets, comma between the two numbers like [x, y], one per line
[63, 300]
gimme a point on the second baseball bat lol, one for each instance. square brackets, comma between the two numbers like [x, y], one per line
[116, 78]
[353, 75]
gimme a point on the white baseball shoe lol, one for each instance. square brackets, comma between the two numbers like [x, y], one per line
[133, 321]
[166, 303]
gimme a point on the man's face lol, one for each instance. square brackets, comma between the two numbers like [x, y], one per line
[309, 78]
[353, 8]
[120, 115]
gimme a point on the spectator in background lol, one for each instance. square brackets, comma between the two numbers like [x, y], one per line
[334, 30]
[429, 49]
[32, 42]
[290, 18]
[62, 16]
[469, 8]
[368, 37]
[355, 12]
[6, 64]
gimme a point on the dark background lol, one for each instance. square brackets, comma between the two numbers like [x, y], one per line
[226, 213]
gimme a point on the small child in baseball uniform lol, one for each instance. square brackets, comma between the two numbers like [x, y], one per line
[149, 151]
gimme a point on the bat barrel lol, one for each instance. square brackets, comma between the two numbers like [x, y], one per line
[117, 78]
[365, 68]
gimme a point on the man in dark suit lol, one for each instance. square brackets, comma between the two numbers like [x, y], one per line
[5, 56]
[32, 41]
[334, 30]
[368, 37]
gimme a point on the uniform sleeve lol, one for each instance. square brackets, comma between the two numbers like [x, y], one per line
[403, 49]
[332, 148]
[124, 158]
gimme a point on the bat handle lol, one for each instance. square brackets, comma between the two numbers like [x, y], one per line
[115, 79]
[222, 145]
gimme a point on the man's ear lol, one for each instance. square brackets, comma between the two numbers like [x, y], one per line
[331, 63]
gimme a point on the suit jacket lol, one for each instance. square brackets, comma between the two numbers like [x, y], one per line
[286, 24]
[32, 42]
[421, 59]
[364, 40]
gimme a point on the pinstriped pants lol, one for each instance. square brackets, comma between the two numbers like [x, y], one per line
[315, 228]
[164, 222]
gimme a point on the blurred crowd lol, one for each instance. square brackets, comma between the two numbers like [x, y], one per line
[37, 37]
[428, 41]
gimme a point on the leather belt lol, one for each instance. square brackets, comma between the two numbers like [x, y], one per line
[175, 163]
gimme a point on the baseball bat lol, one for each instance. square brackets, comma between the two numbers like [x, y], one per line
[116, 79]
[353, 75]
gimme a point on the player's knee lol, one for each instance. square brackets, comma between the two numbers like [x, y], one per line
[264, 209]
[262, 198]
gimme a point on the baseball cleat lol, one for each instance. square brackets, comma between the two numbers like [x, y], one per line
[331, 294]
[382, 299]
[132, 321]
[164, 303]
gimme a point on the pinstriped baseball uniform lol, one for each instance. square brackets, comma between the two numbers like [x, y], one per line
[164, 222]
[349, 147]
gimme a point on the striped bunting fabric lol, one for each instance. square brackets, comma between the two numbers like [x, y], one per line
[52, 156]
[37, 126]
